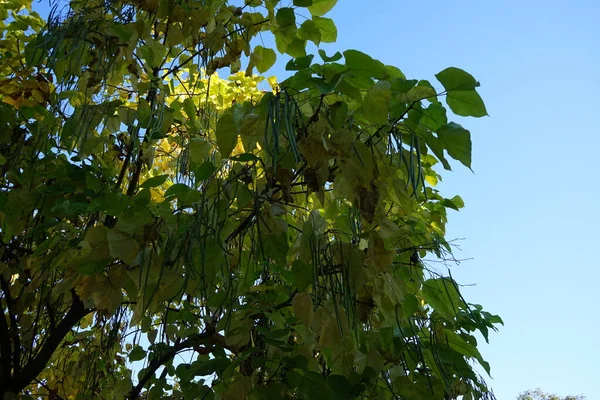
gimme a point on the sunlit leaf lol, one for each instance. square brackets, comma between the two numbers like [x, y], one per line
[226, 133]
[327, 29]
[441, 294]
[263, 58]
[362, 63]
[321, 7]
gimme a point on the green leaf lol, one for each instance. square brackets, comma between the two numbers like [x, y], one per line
[245, 157]
[190, 108]
[299, 63]
[309, 30]
[437, 146]
[376, 104]
[154, 181]
[199, 150]
[226, 133]
[327, 28]
[417, 93]
[466, 103]
[204, 171]
[337, 56]
[461, 96]
[296, 48]
[263, 58]
[90, 268]
[441, 294]
[122, 245]
[238, 389]
[285, 17]
[434, 117]
[401, 85]
[364, 64]
[411, 304]
[303, 274]
[35, 50]
[137, 354]
[456, 79]
[303, 307]
[420, 389]
[427, 84]
[183, 193]
[321, 7]
[457, 142]
[458, 344]
[303, 3]
[123, 32]
[315, 387]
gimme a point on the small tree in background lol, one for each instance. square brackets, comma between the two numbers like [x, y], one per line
[538, 394]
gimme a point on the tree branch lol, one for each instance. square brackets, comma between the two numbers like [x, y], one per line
[5, 351]
[35, 366]
[202, 338]
[16, 345]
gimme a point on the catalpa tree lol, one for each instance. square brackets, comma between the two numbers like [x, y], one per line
[166, 233]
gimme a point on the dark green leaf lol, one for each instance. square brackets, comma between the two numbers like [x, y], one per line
[303, 3]
[457, 141]
[315, 386]
[364, 64]
[441, 294]
[123, 32]
[401, 85]
[285, 17]
[466, 103]
[303, 273]
[183, 193]
[245, 157]
[434, 117]
[337, 56]
[137, 354]
[458, 344]
[154, 181]
[456, 79]
[299, 63]
[204, 171]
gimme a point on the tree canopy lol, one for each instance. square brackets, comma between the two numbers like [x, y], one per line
[538, 394]
[166, 232]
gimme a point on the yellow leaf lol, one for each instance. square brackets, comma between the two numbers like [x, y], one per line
[38, 96]
[273, 83]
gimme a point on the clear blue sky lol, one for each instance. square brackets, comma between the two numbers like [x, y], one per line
[529, 222]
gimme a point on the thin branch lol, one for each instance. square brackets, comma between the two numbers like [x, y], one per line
[35, 366]
[16, 350]
[199, 339]
[5, 351]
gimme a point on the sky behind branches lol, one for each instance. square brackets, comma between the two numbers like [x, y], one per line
[529, 225]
